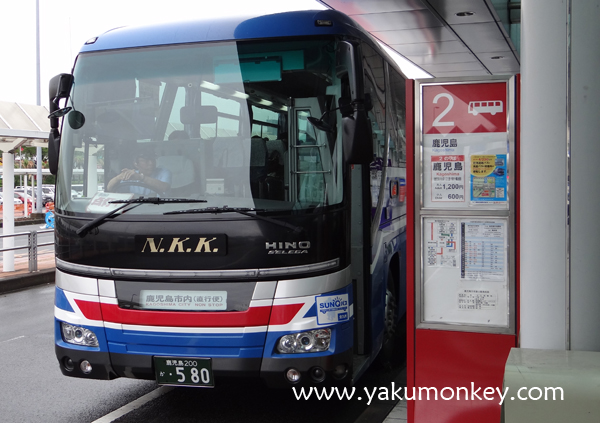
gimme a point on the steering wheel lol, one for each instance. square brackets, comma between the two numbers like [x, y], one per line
[123, 186]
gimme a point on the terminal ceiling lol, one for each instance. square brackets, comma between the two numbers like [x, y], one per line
[445, 38]
[23, 125]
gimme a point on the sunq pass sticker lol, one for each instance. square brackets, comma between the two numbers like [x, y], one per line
[332, 309]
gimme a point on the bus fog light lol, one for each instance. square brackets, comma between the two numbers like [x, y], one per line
[311, 341]
[78, 335]
[292, 375]
[340, 371]
[317, 374]
[86, 367]
[68, 364]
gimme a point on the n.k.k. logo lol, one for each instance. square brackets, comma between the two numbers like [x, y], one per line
[214, 245]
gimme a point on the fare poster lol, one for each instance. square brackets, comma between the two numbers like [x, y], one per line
[465, 272]
[465, 145]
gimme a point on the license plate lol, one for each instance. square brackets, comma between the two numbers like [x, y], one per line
[183, 371]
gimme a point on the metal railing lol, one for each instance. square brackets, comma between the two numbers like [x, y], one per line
[32, 246]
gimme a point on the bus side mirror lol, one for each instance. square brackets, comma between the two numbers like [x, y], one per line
[368, 102]
[358, 138]
[59, 88]
[345, 66]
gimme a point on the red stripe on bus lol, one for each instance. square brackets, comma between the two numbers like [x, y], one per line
[254, 316]
[90, 309]
[283, 314]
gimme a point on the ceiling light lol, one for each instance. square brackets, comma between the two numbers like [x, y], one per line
[210, 86]
[241, 95]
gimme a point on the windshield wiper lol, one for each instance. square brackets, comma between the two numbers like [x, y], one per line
[241, 210]
[157, 200]
[83, 231]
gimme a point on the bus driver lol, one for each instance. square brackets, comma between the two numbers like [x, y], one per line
[151, 179]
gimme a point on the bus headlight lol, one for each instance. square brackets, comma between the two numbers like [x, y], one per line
[311, 341]
[78, 335]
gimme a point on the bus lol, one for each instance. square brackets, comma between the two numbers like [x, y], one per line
[240, 209]
[492, 107]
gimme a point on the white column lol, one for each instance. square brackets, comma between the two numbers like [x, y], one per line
[560, 161]
[585, 175]
[92, 178]
[8, 210]
[25, 211]
[39, 205]
[543, 174]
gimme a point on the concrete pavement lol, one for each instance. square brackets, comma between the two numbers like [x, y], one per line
[21, 278]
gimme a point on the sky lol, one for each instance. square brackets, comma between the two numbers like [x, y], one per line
[65, 25]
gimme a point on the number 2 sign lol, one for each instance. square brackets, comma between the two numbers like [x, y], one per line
[438, 120]
[464, 108]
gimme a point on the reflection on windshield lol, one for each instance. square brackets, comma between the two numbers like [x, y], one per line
[222, 122]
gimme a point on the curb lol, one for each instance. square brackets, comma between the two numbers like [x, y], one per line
[20, 282]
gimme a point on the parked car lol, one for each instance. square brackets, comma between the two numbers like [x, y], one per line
[21, 196]
[47, 196]
[17, 199]
[46, 189]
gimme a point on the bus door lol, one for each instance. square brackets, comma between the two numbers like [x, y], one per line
[312, 158]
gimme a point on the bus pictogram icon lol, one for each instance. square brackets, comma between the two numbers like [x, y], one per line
[492, 107]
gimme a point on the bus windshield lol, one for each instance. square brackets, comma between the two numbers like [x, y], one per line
[224, 122]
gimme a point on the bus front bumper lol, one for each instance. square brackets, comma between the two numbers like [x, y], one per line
[313, 371]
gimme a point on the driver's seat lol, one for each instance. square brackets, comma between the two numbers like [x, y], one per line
[182, 172]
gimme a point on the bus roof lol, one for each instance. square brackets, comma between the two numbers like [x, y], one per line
[286, 24]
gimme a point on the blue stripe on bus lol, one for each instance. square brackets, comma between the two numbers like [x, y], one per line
[312, 312]
[179, 351]
[60, 300]
[245, 345]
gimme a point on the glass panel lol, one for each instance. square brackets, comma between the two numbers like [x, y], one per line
[396, 119]
[175, 129]
[265, 123]
[206, 121]
[311, 180]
